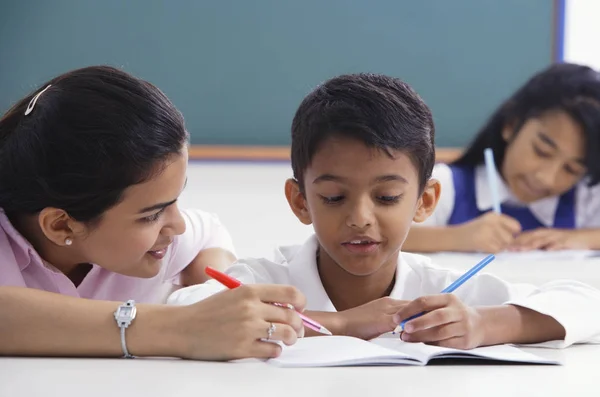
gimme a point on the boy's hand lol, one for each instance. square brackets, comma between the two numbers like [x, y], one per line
[447, 322]
[490, 233]
[371, 319]
[550, 240]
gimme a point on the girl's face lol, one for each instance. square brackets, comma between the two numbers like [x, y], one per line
[545, 157]
[132, 237]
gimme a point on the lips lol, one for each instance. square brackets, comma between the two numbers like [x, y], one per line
[159, 253]
[532, 189]
[361, 245]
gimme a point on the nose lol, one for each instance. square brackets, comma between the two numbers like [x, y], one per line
[175, 224]
[547, 174]
[360, 215]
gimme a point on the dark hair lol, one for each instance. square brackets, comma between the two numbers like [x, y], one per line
[382, 112]
[573, 89]
[91, 134]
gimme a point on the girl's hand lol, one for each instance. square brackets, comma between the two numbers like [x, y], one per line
[550, 240]
[231, 324]
[490, 233]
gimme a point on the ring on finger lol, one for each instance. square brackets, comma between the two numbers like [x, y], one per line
[271, 330]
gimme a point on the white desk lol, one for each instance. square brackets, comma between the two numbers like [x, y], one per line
[26, 377]
[578, 376]
[527, 271]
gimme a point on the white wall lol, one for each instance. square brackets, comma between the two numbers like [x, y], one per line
[249, 199]
[582, 32]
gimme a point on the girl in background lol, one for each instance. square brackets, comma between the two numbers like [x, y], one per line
[545, 139]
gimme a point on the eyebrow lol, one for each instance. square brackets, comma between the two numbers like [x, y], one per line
[160, 206]
[546, 139]
[379, 179]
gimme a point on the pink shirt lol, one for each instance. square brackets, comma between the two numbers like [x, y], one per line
[21, 266]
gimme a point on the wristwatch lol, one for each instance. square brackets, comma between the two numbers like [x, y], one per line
[124, 315]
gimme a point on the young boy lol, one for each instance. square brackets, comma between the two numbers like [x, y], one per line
[362, 157]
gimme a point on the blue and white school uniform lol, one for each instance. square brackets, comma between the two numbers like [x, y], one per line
[466, 195]
[571, 303]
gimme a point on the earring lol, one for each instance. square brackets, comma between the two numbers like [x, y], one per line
[68, 241]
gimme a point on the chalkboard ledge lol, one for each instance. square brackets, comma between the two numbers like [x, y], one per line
[274, 153]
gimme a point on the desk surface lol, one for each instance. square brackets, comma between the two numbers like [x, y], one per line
[153, 377]
[522, 269]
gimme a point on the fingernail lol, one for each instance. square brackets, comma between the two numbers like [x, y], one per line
[409, 327]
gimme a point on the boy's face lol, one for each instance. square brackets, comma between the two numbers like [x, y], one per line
[545, 158]
[361, 203]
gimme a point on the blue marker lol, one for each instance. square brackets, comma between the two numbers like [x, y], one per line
[492, 175]
[452, 287]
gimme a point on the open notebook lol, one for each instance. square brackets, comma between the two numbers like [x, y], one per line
[332, 351]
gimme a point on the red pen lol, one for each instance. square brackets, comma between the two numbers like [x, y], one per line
[232, 283]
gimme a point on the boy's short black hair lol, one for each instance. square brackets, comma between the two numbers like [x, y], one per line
[381, 111]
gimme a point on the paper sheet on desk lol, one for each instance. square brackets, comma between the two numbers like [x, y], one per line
[540, 255]
[536, 255]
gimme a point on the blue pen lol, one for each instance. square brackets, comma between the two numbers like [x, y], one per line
[452, 287]
[492, 175]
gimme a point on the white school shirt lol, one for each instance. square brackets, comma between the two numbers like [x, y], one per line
[587, 200]
[573, 304]
[21, 266]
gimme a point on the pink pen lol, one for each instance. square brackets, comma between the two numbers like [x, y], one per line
[308, 322]
[231, 283]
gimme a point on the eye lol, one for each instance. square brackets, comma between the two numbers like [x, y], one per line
[154, 217]
[389, 200]
[573, 171]
[331, 199]
[539, 152]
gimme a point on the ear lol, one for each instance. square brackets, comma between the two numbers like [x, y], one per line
[428, 200]
[59, 227]
[508, 131]
[297, 201]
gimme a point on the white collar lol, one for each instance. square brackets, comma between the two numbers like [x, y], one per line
[302, 265]
[305, 276]
[544, 210]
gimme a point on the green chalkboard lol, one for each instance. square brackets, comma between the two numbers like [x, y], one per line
[238, 69]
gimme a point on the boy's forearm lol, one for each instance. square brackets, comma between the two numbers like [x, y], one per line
[39, 323]
[430, 239]
[516, 324]
[330, 320]
[217, 258]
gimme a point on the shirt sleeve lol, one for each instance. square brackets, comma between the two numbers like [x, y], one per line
[10, 272]
[587, 206]
[445, 206]
[10, 275]
[250, 271]
[570, 303]
[203, 231]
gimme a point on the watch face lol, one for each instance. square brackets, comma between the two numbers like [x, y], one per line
[126, 311]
